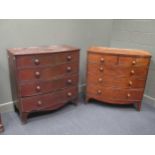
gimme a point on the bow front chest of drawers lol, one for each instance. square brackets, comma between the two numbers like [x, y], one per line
[43, 78]
[117, 76]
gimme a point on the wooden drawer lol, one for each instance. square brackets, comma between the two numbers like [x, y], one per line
[106, 93]
[47, 73]
[102, 59]
[115, 82]
[133, 61]
[42, 102]
[46, 59]
[117, 70]
[40, 87]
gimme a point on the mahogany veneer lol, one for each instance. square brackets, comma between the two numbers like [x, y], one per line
[43, 78]
[1, 125]
[117, 76]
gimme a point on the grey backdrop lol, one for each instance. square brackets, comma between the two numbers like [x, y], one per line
[25, 33]
[80, 33]
[137, 34]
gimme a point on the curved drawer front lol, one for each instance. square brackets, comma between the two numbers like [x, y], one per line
[115, 94]
[42, 102]
[106, 81]
[27, 61]
[118, 60]
[102, 59]
[47, 73]
[117, 70]
[134, 61]
[35, 88]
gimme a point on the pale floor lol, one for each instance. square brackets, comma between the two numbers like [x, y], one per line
[92, 118]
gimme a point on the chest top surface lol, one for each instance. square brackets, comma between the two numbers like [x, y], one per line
[119, 51]
[41, 50]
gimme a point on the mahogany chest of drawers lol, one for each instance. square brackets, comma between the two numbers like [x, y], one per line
[117, 76]
[1, 125]
[43, 78]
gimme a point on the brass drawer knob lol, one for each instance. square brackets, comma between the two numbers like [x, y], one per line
[39, 103]
[37, 74]
[36, 61]
[69, 57]
[100, 80]
[101, 69]
[130, 83]
[69, 81]
[69, 68]
[128, 95]
[102, 59]
[69, 94]
[99, 92]
[38, 88]
[134, 62]
[132, 72]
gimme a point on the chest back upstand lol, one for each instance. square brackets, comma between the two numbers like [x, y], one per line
[117, 76]
[43, 78]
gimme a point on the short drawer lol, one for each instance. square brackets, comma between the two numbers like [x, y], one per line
[134, 61]
[40, 87]
[115, 93]
[46, 59]
[117, 70]
[47, 73]
[102, 58]
[115, 82]
[42, 102]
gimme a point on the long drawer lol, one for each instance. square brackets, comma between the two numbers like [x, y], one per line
[46, 59]
[117, 70]
[115, 93]
[47, 73]
[117, 59]
[105, 81]
[41, 102]
[40, 87]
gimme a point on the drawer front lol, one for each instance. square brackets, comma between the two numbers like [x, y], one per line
[115, 94]
[133, 61]
[102, 59]
[36, 88]
[46, 59]
[117, 70]
[106, 81]
[47, 73]
[42, 102]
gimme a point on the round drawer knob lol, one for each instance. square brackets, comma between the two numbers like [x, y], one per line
[100, 80]
[69, 94]
[69, 81]
[38, 88]
[37, 74]
[130, 83]
[69, 68]
[102, 59]
[132, 72]
[69, 57]
[134, 62]
[99, 92]
[39, 103]
[101, 69]
[36, 61]
[128, 95]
